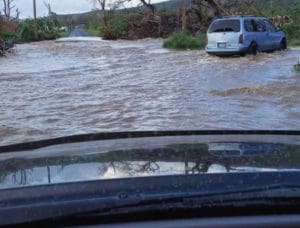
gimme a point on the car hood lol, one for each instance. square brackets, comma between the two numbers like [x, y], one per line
[147, 156]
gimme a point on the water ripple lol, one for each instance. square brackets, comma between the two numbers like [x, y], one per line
[51, 89]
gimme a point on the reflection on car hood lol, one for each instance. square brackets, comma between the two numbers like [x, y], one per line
[149, 156]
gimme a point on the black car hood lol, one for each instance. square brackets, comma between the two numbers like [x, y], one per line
[148, 156]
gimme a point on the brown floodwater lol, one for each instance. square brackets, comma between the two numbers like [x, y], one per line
[50, 89]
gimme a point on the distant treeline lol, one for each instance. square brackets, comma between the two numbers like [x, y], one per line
[140, 22]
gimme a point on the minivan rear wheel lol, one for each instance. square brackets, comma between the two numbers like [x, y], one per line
[252, 50]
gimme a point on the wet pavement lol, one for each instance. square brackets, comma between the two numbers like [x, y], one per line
[50, 89]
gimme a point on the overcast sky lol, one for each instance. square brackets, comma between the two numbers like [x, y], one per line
[58, 6]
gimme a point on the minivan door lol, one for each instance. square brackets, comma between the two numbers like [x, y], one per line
[262, 36]
[273, 36]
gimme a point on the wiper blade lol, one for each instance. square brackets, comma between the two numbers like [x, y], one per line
[63, 200]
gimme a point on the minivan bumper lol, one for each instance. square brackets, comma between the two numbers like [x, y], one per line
[227, 51]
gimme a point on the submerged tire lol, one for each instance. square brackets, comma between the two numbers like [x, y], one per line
[252, 50]
[283, 44]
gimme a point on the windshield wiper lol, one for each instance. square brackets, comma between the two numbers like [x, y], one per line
[107, 198]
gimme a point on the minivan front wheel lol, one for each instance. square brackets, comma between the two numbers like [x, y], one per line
[252, 50]
[283, 44]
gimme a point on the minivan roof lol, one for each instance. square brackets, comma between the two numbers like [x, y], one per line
[237, 17]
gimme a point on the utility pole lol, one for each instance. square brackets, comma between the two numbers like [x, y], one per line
[183, 16]
[34, 18]
[272, 8]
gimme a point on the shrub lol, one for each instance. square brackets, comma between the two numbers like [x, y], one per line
[95, 26]
[115, 27]
[7, 35]
[292, 29]
[26, 31]
[46, 29]
[183, 41]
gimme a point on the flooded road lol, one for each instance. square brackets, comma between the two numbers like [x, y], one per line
[51, 89]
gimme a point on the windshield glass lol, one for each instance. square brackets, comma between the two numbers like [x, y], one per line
[81, 80]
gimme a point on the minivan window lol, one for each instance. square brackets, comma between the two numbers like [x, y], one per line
[225, 26]
[269, 26]
[249, 26]
[260, 26]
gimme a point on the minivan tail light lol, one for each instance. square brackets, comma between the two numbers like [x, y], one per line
[241, 39]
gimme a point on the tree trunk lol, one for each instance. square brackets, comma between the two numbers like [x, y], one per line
[35, 23]
[183, 29]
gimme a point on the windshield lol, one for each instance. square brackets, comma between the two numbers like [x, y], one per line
[97, 90]
[226, 25]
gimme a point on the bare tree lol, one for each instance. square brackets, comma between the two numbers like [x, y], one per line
[48, 6]
[149, 5]
[183, 16]
[8, 6]
[17, 14]
[101, 4]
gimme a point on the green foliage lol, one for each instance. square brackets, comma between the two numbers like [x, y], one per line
[294, 11]
[115, 27]
[95, 27]
[47, 28]
[294, 42]
[7, 36]
[292, 29]
[181, 41]
[63, 34]
[26, 31]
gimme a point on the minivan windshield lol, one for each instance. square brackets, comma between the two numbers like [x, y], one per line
[232, 25]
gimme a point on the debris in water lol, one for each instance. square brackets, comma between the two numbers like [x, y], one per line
[297, 66]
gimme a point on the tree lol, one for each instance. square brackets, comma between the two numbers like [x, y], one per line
[34, 18]
[101, 3]
[183, 16]
[149, 5]
[8, 6]
[48, 6]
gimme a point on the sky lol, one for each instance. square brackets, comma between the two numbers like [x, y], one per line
[59, 6]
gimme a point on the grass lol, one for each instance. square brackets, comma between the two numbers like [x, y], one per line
[63, 34]
[94, 31]
[294, 42]
[182, 41]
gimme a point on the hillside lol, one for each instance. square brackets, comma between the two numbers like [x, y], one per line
[279, 7]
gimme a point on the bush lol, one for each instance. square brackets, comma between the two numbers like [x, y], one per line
[95, 27]
[292, 29]
[294, 42]
[181, 41]
[115, 28]
[46, 29]
[26, 31]
[7, 36]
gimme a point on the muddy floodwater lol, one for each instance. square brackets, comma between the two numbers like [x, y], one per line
[50, 89]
